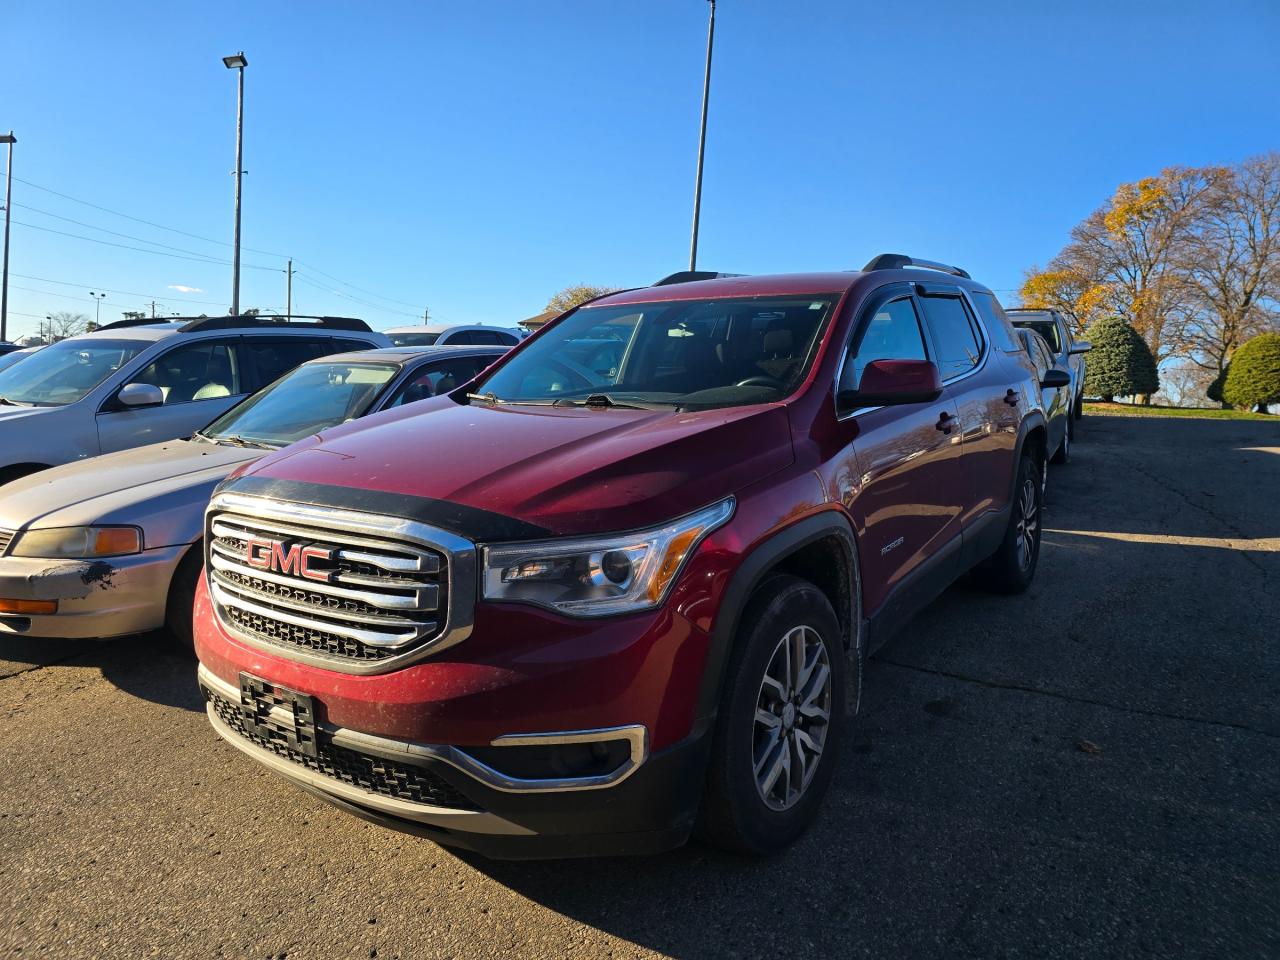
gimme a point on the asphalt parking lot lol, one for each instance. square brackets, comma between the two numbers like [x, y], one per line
[1090, 769]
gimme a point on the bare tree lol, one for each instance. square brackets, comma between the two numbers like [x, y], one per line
[1232, 262]
[65, 324]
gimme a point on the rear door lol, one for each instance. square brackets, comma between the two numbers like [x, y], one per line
[272, 357]
[198, 379]
[900, 476]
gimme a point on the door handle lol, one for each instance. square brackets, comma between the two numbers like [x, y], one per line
[1011, 397]
[945, 420]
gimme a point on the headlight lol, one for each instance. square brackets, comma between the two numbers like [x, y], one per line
[599, 576]
[77, 543]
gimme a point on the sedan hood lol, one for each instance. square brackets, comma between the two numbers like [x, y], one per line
[162, 488]
[567, 470]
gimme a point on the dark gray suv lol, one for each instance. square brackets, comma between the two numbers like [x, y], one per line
[1068, 352]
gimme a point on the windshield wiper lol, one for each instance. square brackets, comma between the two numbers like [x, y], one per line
[14, 403]
[238, 441]
[493, 400]
[605, 400]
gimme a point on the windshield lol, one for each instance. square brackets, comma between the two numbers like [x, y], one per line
[690, 354]
[7, 360]
[413, 339]
[311, 398]
[66, 371]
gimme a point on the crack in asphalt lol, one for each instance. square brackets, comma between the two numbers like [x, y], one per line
[1071, 698]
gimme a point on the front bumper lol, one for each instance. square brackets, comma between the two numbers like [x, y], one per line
[111, 597]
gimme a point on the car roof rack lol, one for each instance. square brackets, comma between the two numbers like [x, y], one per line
[689, 276]
[900, 261]
[295, 320]
[136, 322]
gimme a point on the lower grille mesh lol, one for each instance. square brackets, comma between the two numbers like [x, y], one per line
[291, 635]
[387, 778]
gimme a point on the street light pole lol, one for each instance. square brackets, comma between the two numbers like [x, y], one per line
[702, 141]
[10, 139]
[237, 62]
[97, 307]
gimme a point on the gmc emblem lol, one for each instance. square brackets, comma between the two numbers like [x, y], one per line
[292, 560]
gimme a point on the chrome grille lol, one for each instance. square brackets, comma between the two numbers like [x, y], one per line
[358, 592]
[6, 538]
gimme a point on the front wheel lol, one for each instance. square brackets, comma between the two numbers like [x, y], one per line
[1063, 453]
[182, 598]
[777, 732]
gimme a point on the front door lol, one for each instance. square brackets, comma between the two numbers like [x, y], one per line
[900, 476]
[199, 382]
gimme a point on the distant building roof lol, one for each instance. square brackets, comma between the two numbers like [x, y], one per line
[546, 316]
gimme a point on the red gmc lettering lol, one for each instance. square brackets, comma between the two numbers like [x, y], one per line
[293, 561]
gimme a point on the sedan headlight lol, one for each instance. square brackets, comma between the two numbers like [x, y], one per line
[77, 543]
[599, 576]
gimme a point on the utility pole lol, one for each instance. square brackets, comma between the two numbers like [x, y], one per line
[153, 309]
[10, 139]
[237, 62]
[702, 141]
[426, 316]
[288, 310]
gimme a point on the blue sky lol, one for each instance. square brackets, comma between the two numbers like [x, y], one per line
[474, 158]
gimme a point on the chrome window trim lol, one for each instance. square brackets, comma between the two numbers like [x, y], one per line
[462, 584]
[408, 751]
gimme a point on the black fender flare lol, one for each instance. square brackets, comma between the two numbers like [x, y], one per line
[755, 567]
[1030, 422]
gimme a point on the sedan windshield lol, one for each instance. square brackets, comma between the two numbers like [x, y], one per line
[413, 339]
[691, 354]
[66, 371]
[311, 398]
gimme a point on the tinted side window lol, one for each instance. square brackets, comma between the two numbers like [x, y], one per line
[436, 378]
[954, 338]
[204, 370]
[1036, 350]
[505, 339]
[276, 357]
[464, 337]
[893, 333]
[999, 328]
[345, 346]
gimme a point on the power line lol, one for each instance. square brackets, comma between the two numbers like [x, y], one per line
[126, 236]
[344, 283]
[126, 293]
[158, 226]
[299, 275]
[157, 253]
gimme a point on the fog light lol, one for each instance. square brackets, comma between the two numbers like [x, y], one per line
[28, 606]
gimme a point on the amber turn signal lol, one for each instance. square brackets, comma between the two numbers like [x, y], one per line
[28, 606]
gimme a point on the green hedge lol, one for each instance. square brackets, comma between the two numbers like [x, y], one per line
[1120, 364]
[1253, 377]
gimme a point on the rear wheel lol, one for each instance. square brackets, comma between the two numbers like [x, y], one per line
[182, 598]
[1013, 566]
[1077, 410]
[778, 728]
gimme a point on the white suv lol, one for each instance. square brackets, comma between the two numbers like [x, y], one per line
[442, 334]
[137, 382]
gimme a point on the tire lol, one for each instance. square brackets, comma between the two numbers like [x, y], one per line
[1063, 453]
[1077, 409]
[182, 597]
[18, 472]
[1013, 566]
[760, 814]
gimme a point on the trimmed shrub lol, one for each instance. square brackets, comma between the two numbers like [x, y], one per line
[1214, 390]
[1253, 377]
[1120, 364]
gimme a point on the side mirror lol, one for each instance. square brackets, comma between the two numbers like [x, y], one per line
[136, 395]
[1055, 377]
[1080, 346]
[888, 382]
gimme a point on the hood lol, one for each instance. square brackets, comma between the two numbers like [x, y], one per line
[567, 470]
[154, 487]
[8, 413]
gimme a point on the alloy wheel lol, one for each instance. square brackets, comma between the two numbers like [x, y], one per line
[793, 714]
[1028, 520]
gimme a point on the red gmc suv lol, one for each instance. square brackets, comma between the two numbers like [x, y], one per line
[624, 583]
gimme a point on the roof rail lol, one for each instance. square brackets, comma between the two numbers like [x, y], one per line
[134, 322]
[689, 276]
[900, 261]
[271, 320]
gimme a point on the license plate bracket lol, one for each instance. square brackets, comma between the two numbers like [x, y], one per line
[279, 715]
